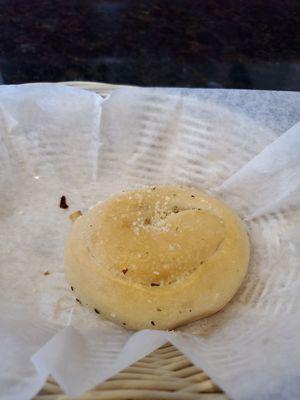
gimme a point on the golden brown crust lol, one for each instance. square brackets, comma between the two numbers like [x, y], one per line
[157, 257]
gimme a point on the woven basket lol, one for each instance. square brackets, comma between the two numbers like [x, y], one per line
[164, 374]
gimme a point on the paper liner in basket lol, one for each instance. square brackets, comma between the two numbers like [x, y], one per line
[62, 141]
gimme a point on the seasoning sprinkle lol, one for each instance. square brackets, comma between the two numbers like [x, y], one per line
[147, 221]
[174, 194]
[158, 309]
[177, 227]
[190, 310]
[124, 323]
[175, 209]
[153, 188]
[72, 288]
[46, 273]
[155, 284]
[125, 270]
[192, 195]
[96, 311]
[63, 202]
[152, 322]
[78, 301]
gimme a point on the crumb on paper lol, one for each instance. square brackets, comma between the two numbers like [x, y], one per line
[75, 215]
[63, 202]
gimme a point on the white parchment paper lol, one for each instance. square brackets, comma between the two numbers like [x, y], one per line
[242, 146]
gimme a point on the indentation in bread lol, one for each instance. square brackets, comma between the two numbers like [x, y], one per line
[158, 240]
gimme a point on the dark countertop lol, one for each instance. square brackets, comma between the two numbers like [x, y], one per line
[208, 43]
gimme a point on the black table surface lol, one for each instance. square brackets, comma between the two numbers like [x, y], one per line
[188, 43]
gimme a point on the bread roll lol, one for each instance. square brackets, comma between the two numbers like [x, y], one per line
[157, 257]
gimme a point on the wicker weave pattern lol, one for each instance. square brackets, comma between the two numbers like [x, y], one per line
[164, 374]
